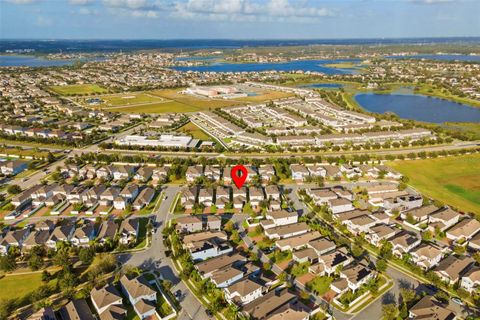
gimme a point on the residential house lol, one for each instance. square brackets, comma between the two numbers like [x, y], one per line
[419, 215]
[266, 172]
[212, 173]
[297, 242]
[340, 205]
[471, 280]
[452, 268]
[287, 231]
[83, 235]
[193, 172]
[128, 232]
[123, 172]
[299, 172]
[144, 198]
[465, 229]
[75, 310]
[143, 174]
[35, 238]
[243, 292]
[105, 299]
[429, 308]
[205, 197]
[13, 238]
[426, 256]
[189, 224]
[269, 304]
[443, 219]
[107, 230]
[404, 242]
[357, 275]
[378, 233]
[62, 233]
[141, 296]
[273, 192]
[209, 248]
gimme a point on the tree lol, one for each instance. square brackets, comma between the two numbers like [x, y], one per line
[408, 295]
[14, 189]
[381, 265]
[86, 255]
[386, 250]
[389, 311]
[35, 262]
[7, 263]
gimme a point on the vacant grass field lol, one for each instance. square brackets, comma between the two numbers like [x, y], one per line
[16, 286]
[171, 100]
[454, 181]
[78, 89]
[194, 131]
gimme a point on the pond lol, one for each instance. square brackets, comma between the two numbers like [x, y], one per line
[33, 61]
[323, 85]
[299, 65]
[418, 107]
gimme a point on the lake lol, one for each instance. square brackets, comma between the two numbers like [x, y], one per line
[441, 57]
[322, 85]
[303, 65]
[418, 107]
[32, 61]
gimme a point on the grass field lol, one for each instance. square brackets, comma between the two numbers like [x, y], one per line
[194, 131]
[454, 181]
[16, 286]
[78, 89]
[171, 100]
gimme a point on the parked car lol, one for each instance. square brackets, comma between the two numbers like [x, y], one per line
[458, 301]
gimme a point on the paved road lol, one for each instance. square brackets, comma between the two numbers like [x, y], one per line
[154, 259]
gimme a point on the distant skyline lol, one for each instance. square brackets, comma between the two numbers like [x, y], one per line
[237, 19]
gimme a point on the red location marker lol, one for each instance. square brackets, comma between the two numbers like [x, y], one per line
[239, 174]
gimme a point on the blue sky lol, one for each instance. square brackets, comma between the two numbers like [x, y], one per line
[239, 19]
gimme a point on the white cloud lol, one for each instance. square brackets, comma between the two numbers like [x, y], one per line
[81, 2]
[248, 10]
[42, 21]
[431, 1]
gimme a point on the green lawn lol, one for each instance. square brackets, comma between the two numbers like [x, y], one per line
[454, 180]
[16, 286]
[320, 285]
[194, 131]
[78, 89]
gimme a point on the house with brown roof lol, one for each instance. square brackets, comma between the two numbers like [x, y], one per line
[143, 174]
[13, 238]
[378, 233]
[193, 172]
[206, 268]
[426, 256]
[107, 230]
[329, 262]
[243, 291]
[140, 294]
[144, 198]
[465, 229]
[209, 248]
[105, 297]
[297, 242]
[340, 205]
[279, 218]
[189, 224]
[45, 313]
[75, 310]
[299, 172]
[267, 305]
[420, 214]
[471, 280]
[443, 219]
[83, 235]
[429, 308]
[35, 238]
[266, 171]
[404, 242]
[452, 268]
[287, 231]
[128, 231]
[61, 233]
[273, 192]
[321, 245]
[357, 275]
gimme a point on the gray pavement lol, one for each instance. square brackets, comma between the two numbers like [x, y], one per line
[154, 258]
